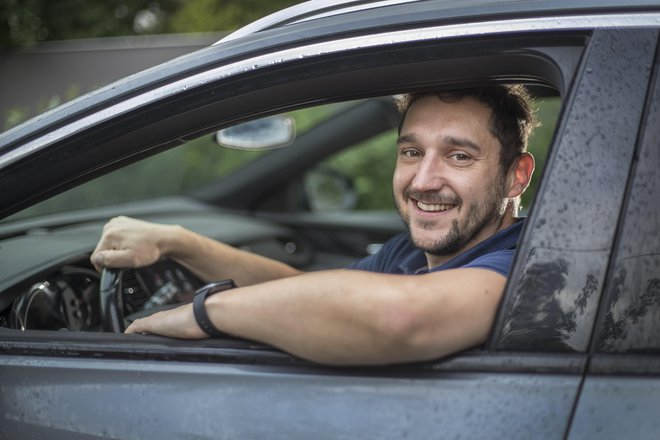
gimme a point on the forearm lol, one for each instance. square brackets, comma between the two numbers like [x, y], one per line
[351, 317]
[313, 317]
[347, 317]
[212, 260]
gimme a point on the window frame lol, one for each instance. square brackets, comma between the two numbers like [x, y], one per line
[234, 99]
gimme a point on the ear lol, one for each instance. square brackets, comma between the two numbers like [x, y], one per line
[520, 175]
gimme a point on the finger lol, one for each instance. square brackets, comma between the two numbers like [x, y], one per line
[114, 259]
[104, 244]
[134, 327]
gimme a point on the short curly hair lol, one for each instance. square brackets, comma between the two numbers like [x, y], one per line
[513, 117]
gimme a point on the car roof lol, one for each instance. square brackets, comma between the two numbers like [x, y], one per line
[343, 17]
[318, 20]
[316, 9]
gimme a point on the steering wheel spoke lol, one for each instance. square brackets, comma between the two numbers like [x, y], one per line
[111, 301]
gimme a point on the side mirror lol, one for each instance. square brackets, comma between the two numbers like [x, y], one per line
[261, 134]
[327, 189]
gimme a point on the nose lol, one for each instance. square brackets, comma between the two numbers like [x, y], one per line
[430, 174]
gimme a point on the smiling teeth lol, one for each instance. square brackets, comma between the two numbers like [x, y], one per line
[432, 207]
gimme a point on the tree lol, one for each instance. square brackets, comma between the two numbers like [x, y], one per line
[221, 15]
[26, 22]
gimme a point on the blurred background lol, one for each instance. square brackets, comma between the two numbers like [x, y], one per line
[54, 50]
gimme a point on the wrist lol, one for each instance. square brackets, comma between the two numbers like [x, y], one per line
[172, 241]
[200, 302]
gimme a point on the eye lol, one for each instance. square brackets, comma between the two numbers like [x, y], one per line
[460, 157]
[409, 153]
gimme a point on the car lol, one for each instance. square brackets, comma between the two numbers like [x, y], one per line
[575, 349]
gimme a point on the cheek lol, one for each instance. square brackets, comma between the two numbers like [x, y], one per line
[399, 180]
[476, 180]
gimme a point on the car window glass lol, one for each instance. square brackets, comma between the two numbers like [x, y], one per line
[631, 318]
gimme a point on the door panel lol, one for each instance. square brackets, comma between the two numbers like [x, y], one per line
[618, 407]
[59, 398]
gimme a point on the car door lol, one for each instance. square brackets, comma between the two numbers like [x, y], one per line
[522, 384]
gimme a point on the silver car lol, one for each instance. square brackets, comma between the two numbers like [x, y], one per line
[575, 350]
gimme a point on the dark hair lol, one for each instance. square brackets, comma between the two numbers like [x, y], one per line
[512, 121]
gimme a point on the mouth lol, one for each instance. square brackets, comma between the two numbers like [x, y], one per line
[434, 207]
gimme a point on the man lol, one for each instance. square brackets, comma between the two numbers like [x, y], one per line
[461, 168]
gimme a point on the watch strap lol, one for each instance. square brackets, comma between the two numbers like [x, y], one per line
[199, 309]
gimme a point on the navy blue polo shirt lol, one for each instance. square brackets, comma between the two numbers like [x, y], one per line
[400, 256]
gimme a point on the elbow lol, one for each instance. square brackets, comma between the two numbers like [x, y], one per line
[405, 330]
[414, 336]
[399, 324]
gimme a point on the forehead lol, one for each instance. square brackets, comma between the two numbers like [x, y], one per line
[465, 117]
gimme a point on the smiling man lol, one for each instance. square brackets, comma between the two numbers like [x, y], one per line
[461, 168]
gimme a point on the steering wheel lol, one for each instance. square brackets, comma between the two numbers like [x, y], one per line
[111, 301]
[176, 284]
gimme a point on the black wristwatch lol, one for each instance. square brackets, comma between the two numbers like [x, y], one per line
[199, 310]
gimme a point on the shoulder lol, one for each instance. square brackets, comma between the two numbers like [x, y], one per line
[498, 261]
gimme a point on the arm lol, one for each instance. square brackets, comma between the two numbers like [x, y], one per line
[352, 317]
[128, 242]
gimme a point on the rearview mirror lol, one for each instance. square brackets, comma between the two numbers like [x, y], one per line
[260, 134]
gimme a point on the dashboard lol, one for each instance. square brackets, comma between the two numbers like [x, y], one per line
[69, 298]
[48, 283]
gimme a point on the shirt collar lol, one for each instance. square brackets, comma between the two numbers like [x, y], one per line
[507, 238]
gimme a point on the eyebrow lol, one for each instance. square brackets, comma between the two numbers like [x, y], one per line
[447, 140]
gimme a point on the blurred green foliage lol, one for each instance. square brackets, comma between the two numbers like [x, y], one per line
[26, 22]
[370, 165]
[547, 114]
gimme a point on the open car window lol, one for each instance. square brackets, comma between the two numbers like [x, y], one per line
[331, 176]
[345, 181]
[177, 171]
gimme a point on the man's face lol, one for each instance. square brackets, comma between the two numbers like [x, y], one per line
[448, 186]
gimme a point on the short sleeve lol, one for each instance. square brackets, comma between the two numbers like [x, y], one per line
[500, 261]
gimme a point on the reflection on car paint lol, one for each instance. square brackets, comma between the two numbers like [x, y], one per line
[632, 321]
[556, 304]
